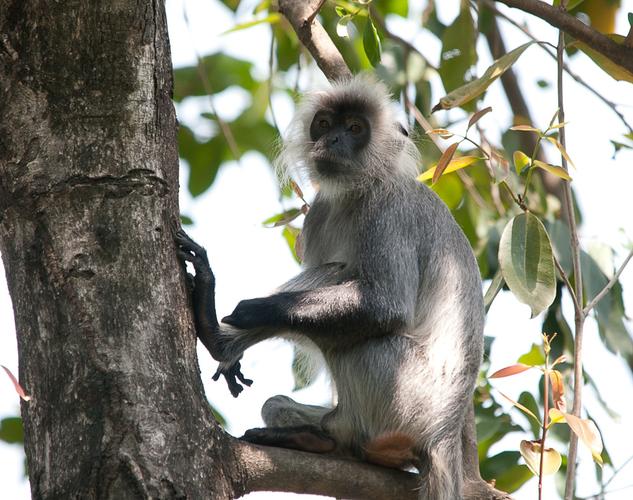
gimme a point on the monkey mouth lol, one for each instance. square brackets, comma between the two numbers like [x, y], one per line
[328, 167]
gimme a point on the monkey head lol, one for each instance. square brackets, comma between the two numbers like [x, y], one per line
[349, 137]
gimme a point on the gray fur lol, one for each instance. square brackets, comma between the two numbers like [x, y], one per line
[390, 294]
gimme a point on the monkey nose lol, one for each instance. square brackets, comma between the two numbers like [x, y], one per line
[333, 140]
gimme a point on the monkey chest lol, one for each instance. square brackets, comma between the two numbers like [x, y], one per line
[330, 237]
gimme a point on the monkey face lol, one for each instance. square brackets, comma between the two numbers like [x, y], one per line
[338, 137]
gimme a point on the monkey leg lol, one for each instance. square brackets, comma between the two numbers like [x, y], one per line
[292, 425]
[305, 438]
[282, 411]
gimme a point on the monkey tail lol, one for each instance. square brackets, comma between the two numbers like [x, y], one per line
[441, 471]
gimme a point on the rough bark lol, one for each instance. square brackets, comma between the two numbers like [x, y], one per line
[88, 202]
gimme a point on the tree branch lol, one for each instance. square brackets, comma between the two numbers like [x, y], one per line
[608, 286]
[302, 17]
[266, 468]
[277, 469]
[612, 105]
[561, 19]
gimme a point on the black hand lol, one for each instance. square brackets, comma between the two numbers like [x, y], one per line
[231, 373]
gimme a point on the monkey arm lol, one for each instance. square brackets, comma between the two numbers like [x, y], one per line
[203, 298]
[352, 306]
[376, 296]
[224, 343]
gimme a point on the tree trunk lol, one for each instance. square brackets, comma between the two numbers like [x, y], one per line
[88, 205]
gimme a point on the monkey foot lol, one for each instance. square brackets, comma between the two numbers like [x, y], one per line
[304, 438]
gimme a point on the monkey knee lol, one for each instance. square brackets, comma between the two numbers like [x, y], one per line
[275, 410]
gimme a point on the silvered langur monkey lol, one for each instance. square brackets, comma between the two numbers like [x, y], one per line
[390, 295]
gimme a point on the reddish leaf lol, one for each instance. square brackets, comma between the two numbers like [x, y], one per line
[16, 384]
[477, 116]
[443, 162]
[558, 390]
[510, 370]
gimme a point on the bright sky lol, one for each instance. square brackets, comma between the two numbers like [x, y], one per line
[250, 260]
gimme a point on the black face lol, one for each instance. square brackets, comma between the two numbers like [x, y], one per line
[338, 136]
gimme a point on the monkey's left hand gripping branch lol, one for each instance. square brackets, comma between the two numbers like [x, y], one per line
[207, 326]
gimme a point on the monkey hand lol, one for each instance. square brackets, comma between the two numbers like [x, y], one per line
[253, 313]
[232, 373]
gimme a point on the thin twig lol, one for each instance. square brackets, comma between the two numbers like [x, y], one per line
[271, 72]
[608, 286]
[618, 470]
[565, 279]
[408, 46]
[202, 73]
[561, 19]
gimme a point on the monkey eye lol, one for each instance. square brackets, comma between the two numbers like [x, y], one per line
[324, 124]
[356, 128]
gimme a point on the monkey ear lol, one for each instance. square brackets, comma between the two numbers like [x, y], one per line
[403, 130]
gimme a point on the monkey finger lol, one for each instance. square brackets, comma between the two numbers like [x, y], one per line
[187, 243]
[185, 255]
[246, 381]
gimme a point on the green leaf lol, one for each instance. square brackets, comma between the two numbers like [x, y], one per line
[341, 26]
[371, 42]
[431, 22]
[527, 400]
[446, 168]
[185, 220]
[204, 158]
[607, 65]
[572, 4]
[477, 87]
[527, 262]
[521, 160]
[552, 169]
[218, 417]
[505, 470]
[609, 311]
[283, 218]
[290, 234]
[269, 19]
[458, 50]
[11, 430]
[495, 286]
[534, 357]
[450, 189]
[287, 44]
[222, 71]
[261, 6]
[399, 7]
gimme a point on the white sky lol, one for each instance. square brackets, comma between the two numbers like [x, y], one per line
[250, 260]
